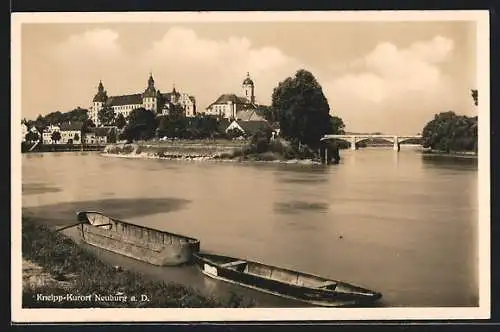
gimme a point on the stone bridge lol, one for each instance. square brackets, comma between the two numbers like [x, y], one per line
[354, 139]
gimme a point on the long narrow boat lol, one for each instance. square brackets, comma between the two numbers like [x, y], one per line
[139, 242]
[282, 282]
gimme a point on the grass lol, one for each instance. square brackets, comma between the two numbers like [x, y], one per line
[63, 260]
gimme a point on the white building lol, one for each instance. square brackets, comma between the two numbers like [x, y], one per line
[24, 131]
[229, 104]
[151, 99]
[101, 135]
[47, 134]
[71, 133]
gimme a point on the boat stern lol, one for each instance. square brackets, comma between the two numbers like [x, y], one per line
[81, 216]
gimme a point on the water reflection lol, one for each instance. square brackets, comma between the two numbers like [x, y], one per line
[38, 188]
[121, 208]
[449, 162]
[294, 207]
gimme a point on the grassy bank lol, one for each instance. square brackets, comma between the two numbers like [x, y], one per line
[274, 151]
[55, 266]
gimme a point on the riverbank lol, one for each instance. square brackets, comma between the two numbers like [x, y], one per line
[57, 273]
[235, 152]
[444, 154]
[25, 148]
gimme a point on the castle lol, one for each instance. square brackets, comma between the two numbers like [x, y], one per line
[151, 99]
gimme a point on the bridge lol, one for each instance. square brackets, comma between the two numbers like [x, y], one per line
[354, 139]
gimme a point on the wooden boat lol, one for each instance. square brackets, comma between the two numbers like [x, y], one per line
[139, 242]
[282, 282]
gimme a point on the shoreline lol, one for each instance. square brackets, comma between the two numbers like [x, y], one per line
[462, 155]
[58, 273]
[210, 159]
[189, 152]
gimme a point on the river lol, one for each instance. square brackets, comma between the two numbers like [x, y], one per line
[395, 222]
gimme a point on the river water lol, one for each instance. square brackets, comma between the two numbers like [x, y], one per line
[397, 223]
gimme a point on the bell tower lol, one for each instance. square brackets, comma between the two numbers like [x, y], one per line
[99, 101]
[248, 89]
[149, 100]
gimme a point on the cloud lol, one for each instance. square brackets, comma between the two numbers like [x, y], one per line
[389, 84]
[392, 84]
[93, 47]
[207, 67]
[199, 66]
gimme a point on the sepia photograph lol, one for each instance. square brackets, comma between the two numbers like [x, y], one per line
[250, 166]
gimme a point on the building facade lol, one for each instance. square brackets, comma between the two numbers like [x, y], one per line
[24, 131]
[101, 135]
[151, 99]
[228, 105]
[70, 133]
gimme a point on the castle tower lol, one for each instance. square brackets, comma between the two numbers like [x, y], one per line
[149, 100]
[248, 89]
[174, 96]
[99, 101]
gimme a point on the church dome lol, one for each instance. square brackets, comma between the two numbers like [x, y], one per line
[248, 80]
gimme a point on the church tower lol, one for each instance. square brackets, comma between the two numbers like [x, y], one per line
[99, 101]
[149, 100]
[248, 89]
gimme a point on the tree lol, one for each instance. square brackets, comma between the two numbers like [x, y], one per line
[40, 122]
[120, 121]
[77, 115]
[234, 133]
[450, 132]
[56, 136]
[31, 136]
[141, 125]
[106, 116]
[474, 96]
[338, 125]
[54, 118]
[176, 111]
[268, 113]
[302, 108]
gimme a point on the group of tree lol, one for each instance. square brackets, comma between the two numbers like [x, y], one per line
[143, 125]
[108, 117]
[299, 106]
[449, 132]
[303, 111]
[76, 115]
[54, 118]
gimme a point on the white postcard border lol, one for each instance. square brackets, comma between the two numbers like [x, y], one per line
[21, 315]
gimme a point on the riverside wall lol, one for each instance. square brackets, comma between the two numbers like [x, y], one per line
[172, 151]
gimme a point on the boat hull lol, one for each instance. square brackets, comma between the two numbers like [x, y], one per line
[314, 296]
[141, 243]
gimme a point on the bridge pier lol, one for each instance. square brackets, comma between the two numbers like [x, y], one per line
[353, 143]
[396, 146]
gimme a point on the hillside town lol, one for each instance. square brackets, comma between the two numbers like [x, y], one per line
[236, 115]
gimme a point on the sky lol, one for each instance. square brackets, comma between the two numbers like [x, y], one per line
[389, 77]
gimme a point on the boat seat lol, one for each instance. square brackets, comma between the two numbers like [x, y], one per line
[233, 263]
[327, 283]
